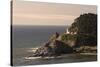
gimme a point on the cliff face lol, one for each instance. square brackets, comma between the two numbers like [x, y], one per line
[54, 47]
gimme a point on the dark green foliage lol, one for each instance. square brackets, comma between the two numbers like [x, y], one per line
[66, 37]
[86, 40]
[85, 24]
[86, 27]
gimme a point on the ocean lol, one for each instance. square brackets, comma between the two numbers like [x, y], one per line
[25, 38]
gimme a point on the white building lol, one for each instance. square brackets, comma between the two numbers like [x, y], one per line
[67, 32]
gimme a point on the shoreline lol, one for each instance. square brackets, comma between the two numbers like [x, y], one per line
[61, 56]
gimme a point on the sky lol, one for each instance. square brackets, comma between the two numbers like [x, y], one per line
[41, 13]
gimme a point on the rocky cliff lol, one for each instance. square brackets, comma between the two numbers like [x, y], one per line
[54, 47]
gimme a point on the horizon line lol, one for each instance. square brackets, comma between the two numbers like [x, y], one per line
[40, 25]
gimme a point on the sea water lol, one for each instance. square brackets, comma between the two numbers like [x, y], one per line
[26, 38]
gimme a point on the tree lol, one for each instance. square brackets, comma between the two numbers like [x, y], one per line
[86, 27]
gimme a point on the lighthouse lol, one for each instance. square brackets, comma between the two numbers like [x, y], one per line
[67, 32]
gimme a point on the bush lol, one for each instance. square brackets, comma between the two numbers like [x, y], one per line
[66, 37]
[80, 39]
[84, 39]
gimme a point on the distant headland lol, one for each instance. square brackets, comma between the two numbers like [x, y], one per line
[80, 37]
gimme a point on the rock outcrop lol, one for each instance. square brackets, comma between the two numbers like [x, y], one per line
[54, 48]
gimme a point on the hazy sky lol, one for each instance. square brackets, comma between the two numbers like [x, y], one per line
[37, 13]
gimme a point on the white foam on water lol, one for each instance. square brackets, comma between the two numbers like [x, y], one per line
[29, 58]
[53, 57]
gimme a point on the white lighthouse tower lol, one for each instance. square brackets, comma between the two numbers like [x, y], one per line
[67, 32]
